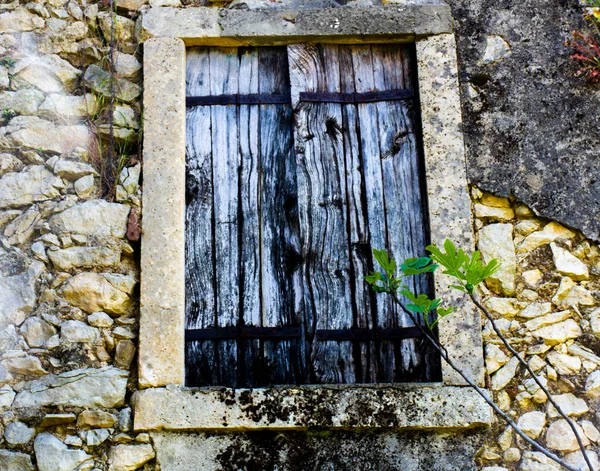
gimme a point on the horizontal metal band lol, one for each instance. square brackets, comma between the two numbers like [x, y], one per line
[250, 99]
[243, 332]
[366, 97]
[366, 335]
[287, 332]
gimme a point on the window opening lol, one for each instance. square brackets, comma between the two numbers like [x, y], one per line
[299, 161]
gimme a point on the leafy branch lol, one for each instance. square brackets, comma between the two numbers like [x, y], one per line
[469, 272]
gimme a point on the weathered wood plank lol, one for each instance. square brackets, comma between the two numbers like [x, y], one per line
[363, 298]
[224, 75]
[322, 207]
[200, 294]
[280, 244]
[250, 206]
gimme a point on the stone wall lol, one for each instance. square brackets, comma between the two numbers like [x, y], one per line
[69, 270]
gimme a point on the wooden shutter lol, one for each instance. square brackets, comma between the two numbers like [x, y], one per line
[359, 188]
[242, 248]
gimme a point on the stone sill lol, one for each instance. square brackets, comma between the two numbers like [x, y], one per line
[401, 407]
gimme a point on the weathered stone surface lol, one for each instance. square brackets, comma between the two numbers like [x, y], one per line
[96, 419]
[492, 213]
[560, 436]
[496, 242]
[72, 169]
[78, 257]
[535, 461]
[96, 437]
[103, 387]
[17, 433]
[126, 65]
[50, 420]
[34, 184]
[559, 333]
[129, 457]
[100, 319]
[534, 310]
[19, 21]
[568, 264]
[50, 73]
[7, 395]
[37, 331]
[532, 423]
[78, 332]
[494, 358]
[124, 354]
[570, 405]
[196, 409]
[123, 27]
[61, 108]
[13, 461]
[548, 319]
[9, 163]
[505, 374]
[93, 218]
[25, 102]
[17, 295]
[94, 292]
[99, 81]
[26, 365]
[85, 187]
[54, 455]
[590, 431]
[551, 232]
[577, 460]
[496, 48]
[33, 133]
[506, 307]
[564, 364]
[592, 385]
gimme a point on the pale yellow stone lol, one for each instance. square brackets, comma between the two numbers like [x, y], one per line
[493, 214]
[526, 227]
[532, 423]
[496, 242]
[571, 405]
[564, 364]
[532, 277]
[506, 307]
[569, 265]
[494, 201]
[551, 232]
[523, 211]
[560, 436]
[559, 333]
[536, 310]
[547, 320]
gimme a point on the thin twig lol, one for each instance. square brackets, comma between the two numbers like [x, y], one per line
[446, 356]
[534, 376]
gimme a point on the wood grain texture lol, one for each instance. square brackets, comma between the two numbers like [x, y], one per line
[200, 292]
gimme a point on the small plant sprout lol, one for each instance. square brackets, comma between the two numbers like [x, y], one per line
[468, 272]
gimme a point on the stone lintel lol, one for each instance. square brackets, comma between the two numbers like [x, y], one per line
[448, 197]
[205, 26]
[162, 297]
[422, 407]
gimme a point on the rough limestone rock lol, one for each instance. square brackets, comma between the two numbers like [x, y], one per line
[536, 310]
[79, 257]
[36, 134]
[567, 264]
[129, 457]
[23, 102]
[17, 295]
[563, 363]
[592, 385]
[26, 365]
[570, 405]
[126, 65]
[551, 232]
[577, 460]
[96, 419]
[496, 242]
[548, 319]
[595, 322]
[560, 436]
[9, 163]
[91, 388]
[94, 292]
[505, 374]
[532, 423]
[72, 109]
[78, 332]
[493, 214]
[100, 319]
[73, 170]
[494, 358]
[535, 461]
[7, 396]
[37, 331]
[96, 218]
[496, 48]
[123, 27]
[19, 21]
[99, 80]
[32, 185]
[54, 455]
[17, 433]
[559, 333]
[13, 461]
[50, 73]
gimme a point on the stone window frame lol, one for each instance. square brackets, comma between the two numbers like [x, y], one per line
[163, 403]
